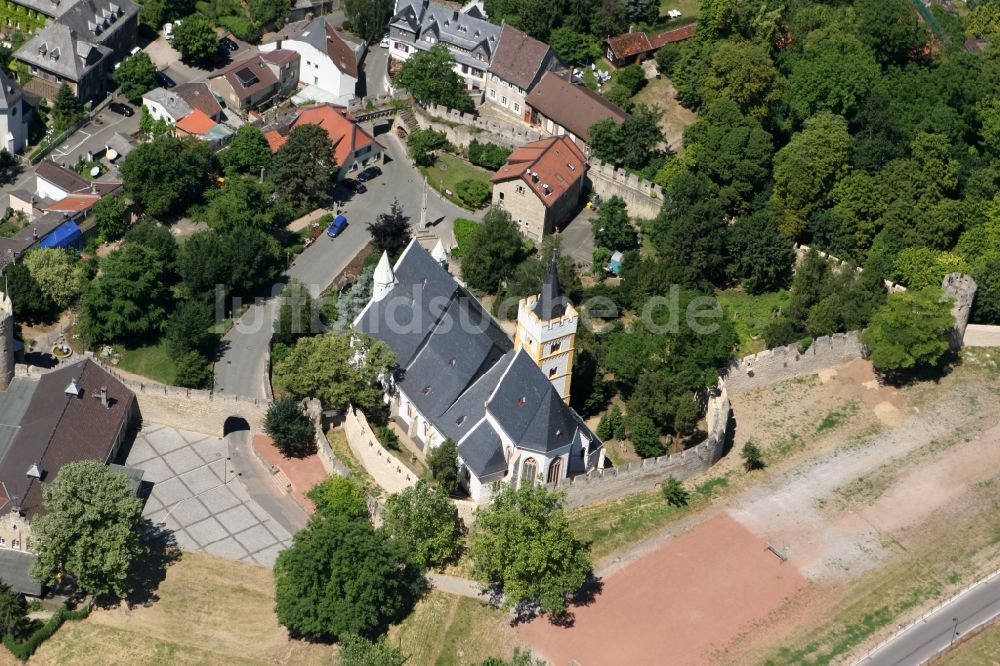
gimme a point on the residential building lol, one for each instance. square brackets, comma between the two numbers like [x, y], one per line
[418, 25]
[519, 61]
[635, 46]
[76, 412]
[353, 147]
[163, 104]
[460, 377]
[260, 81]
[80, 48]
[329, 60]
[306, 9]
[560, 107]
[191, 108]
[15, 115]
[50, 8]
[200, 97]
[540, 185]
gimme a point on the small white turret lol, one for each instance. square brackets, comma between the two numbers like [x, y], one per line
[384, 278]
[440, 255]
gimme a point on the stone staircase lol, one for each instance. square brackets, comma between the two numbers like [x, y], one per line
[408, 121]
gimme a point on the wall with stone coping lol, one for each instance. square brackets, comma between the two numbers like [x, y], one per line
[642, 198]
[609, 484]
[462, 128]
[387, 470]
[981, 335]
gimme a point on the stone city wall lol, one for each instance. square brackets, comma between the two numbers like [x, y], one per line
[613, 483]
[461, 128]
[838, 264]
[387, 470]
[642, 198]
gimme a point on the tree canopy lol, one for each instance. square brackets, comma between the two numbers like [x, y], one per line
[247, 153]
[910, 331]
[290, 428]
[136, 75]
[492, 252]
[368, 17]
[425, 522]
[195, 39]
[431, 78]
[168, 174]
[129, 297]
[303, 171]
[391, 230]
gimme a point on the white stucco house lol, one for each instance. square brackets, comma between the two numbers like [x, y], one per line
[504, 403]
[329, 60]
[15, 115]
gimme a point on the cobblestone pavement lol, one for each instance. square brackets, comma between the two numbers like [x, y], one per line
[193, 498]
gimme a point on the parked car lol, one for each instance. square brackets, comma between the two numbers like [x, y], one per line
[228, 45]
[369, 174]
[354, 186]
[385, 41]
[337, 226]
[168, 31]
[165, 80]
[121, 109]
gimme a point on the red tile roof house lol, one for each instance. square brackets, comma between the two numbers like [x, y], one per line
[353, 147]
[560, 107]
[258, 81]
[540, 185]
[634, 46]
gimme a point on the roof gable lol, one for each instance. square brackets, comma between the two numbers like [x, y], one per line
[549, 167]
[572, 106]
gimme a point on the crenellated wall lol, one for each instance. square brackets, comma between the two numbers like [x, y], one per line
[461, 128]
[642, 198]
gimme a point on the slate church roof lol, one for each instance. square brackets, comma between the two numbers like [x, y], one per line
[459, 368]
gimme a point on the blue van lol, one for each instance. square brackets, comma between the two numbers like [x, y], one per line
[337, 226]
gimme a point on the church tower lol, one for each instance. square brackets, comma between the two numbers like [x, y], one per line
[546, 330]
[383, 278]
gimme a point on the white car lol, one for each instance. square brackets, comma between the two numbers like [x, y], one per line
[168, 31]
[385, 42]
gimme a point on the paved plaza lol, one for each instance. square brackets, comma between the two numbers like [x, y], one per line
[192, 498]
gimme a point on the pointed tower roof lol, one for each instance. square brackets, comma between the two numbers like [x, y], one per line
[383, 271]
[551, 303]
[438, 253]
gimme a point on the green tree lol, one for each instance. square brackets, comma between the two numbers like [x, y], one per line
[520, 658]
[646, 436]
[358, 651]
[154, 13]
[690, 231]
[892, 29]
[807, 168]
[612, 228]
[574, 48]
[297, 316]
[493, 251]
[244, 203]
[192, 370]
[753, 457]
[921, 267]
[523, 547]
[632, 78]
[368, 17]
[30, 302]
[136, 75]
[239, 262]
[190, 328]
[59, 275]
[13, 612]
[834, 73]
[168, 174]
[128, 298]
[986, 307]
[337, 368]
[431, 78]
[910, 331]
[488, 155]
[290, 428]
[340, 496]
[744, 73]
[425, 522]
[443, 463]
[473, 192]
[341, 577]
[304, 170]
[761, 257]
[247, 153]
[195, 39]
[423, 143]
[156, 237]
[112, 217]
[631, 144]
[67, 109]
[674, 492]
[91, 528]
[268, 13]
[391, 231]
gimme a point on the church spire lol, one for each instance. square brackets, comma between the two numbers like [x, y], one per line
[383, 278]
[551, 303]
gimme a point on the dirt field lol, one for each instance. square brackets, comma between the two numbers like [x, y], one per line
[674, 116]
[711, 582]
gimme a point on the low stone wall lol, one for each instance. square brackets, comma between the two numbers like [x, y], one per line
[461, 128]
[181, 408]
[781, 363]
[609, 484]
[981, 335]
[838, 264]
[642, 198]
[387, 470]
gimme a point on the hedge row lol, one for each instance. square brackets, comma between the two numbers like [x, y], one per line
[24, 649]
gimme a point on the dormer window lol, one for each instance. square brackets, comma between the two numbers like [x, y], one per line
[451, 363]
[425, 390]
[521, 401]
[460, 420]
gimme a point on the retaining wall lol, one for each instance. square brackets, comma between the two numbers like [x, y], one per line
[642, 198]
[387, 470]
[981, 335]
[609, 484]
[462, 128]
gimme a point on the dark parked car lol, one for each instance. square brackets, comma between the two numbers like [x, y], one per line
[355, 186]
[229, 45]
[165, 80]
[122, 109]
[369, 173]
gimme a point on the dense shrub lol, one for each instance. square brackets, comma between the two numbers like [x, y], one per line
[488, 155]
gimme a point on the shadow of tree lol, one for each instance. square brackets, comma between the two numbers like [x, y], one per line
[148, 572]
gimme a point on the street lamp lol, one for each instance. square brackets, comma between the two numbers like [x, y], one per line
[954, 630]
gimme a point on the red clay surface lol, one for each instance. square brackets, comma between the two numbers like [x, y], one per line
[302, 473]
[676, 605]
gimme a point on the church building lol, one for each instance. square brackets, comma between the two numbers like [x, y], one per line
[459, 376]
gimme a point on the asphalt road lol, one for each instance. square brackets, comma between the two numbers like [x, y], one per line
[240, 369]
[937, 632]
[94, 135]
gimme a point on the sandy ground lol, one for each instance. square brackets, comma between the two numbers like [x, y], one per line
[675, 605]
[674, 116]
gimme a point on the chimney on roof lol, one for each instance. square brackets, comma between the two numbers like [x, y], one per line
[104, 397]
[278, 45]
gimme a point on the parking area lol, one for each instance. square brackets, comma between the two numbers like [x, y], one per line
[199, 494]
[578, 237]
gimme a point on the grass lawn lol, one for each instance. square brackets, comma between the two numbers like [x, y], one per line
[153, 361]
[449, 170]
[464, 229]
[751, 314]
[445, 630]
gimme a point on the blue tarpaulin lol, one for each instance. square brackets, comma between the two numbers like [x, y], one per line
[65, 235]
